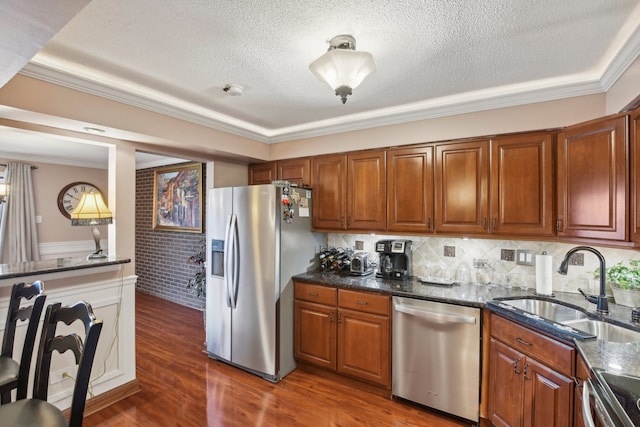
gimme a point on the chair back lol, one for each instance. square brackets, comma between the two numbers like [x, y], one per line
[16, 313]
[83, 348]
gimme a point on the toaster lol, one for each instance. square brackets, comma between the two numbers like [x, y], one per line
[360, 264]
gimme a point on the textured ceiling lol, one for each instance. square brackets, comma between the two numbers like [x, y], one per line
[433, 57]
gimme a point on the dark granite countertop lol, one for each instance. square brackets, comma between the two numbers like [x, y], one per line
[23, 269]
[623, 357]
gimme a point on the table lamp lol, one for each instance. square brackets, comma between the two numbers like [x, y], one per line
[91, 210]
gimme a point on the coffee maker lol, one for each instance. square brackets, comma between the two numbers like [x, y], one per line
[395, 259]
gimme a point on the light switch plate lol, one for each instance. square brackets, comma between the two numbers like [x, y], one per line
[525, 257]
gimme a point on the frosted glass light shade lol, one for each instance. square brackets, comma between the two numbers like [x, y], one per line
[343, 67]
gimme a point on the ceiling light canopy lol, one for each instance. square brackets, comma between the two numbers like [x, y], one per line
[342, 67]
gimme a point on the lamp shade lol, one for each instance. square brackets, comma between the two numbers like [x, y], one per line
[91, 210]
[343, 67]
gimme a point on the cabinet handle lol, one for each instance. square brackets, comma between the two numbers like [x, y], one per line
[313, 294]
[341, 221]
[484, 224]
[361, 302]
[495, 224]
[559, 225]
[526, 366]
[515, 367]
[349, 220]
[429, 224]
[523, 342]
[331, 317]
[339, 317]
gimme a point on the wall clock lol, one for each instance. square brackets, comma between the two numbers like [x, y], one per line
[70, 195]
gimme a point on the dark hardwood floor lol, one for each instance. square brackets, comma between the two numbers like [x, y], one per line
[181, 386]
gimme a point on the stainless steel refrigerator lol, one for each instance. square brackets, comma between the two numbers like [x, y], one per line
[257, 238]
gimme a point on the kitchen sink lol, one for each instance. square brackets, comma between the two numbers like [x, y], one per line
[604, 331]
[549, 310]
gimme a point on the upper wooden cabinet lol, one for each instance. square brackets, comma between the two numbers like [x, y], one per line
[329, 192]
[355, 203]
[296, 171]
[635, 174]
[503, 186]
[462, 187]
[410, 189]
[592, 180]
[262, 173]
[366, 191]
[522, 185]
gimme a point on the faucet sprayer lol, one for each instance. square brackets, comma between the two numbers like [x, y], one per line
[601, 301]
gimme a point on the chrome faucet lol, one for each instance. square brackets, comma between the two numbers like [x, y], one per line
[601, 301]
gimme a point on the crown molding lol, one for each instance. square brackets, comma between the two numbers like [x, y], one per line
[500, 97]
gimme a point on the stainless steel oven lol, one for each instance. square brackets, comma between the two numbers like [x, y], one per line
[611, 398]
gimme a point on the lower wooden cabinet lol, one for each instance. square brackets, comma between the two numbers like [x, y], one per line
[345, 331]
[530, 377]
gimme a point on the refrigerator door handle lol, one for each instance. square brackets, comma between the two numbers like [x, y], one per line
[227, 259]
[235, 262]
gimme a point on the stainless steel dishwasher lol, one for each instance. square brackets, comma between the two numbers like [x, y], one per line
[436, 355]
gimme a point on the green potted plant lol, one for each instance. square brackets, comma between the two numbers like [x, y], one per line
[624, 279]
[197, 284]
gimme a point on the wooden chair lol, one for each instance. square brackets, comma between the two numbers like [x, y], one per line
[14, 374]
[37, 411]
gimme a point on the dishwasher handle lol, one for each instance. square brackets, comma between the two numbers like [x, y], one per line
[432, 316]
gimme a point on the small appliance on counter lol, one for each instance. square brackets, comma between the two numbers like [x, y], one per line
[360, 264]
[395, 258]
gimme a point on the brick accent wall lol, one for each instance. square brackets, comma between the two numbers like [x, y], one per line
[161, 256]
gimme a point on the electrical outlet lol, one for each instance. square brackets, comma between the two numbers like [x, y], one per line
[507, 254]
[359, 245]
[450, 251]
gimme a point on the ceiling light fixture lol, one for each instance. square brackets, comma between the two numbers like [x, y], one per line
[342, 67]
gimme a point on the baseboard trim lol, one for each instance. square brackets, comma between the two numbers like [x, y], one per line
[112, 396]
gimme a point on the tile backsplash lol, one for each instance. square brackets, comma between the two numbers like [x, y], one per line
[430, 250]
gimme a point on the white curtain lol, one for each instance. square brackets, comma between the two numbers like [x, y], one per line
[18, 233]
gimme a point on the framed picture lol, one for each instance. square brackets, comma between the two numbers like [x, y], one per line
[177, 198]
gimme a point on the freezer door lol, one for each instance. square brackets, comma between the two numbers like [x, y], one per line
[218, 311]
[254, 317]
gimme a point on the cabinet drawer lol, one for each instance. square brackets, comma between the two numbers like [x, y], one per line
[552, 353]
[316, 293]
[362, 301]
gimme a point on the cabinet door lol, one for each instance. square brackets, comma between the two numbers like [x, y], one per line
[364, 344]
[262, 173]
[315, 334]
[297, 171]
[410, 189]
[592, 180]
[366, 191]
[522, 185]
[505, 384]
[329, 205]
[462, 187]
[548, 396]
[635, 174]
